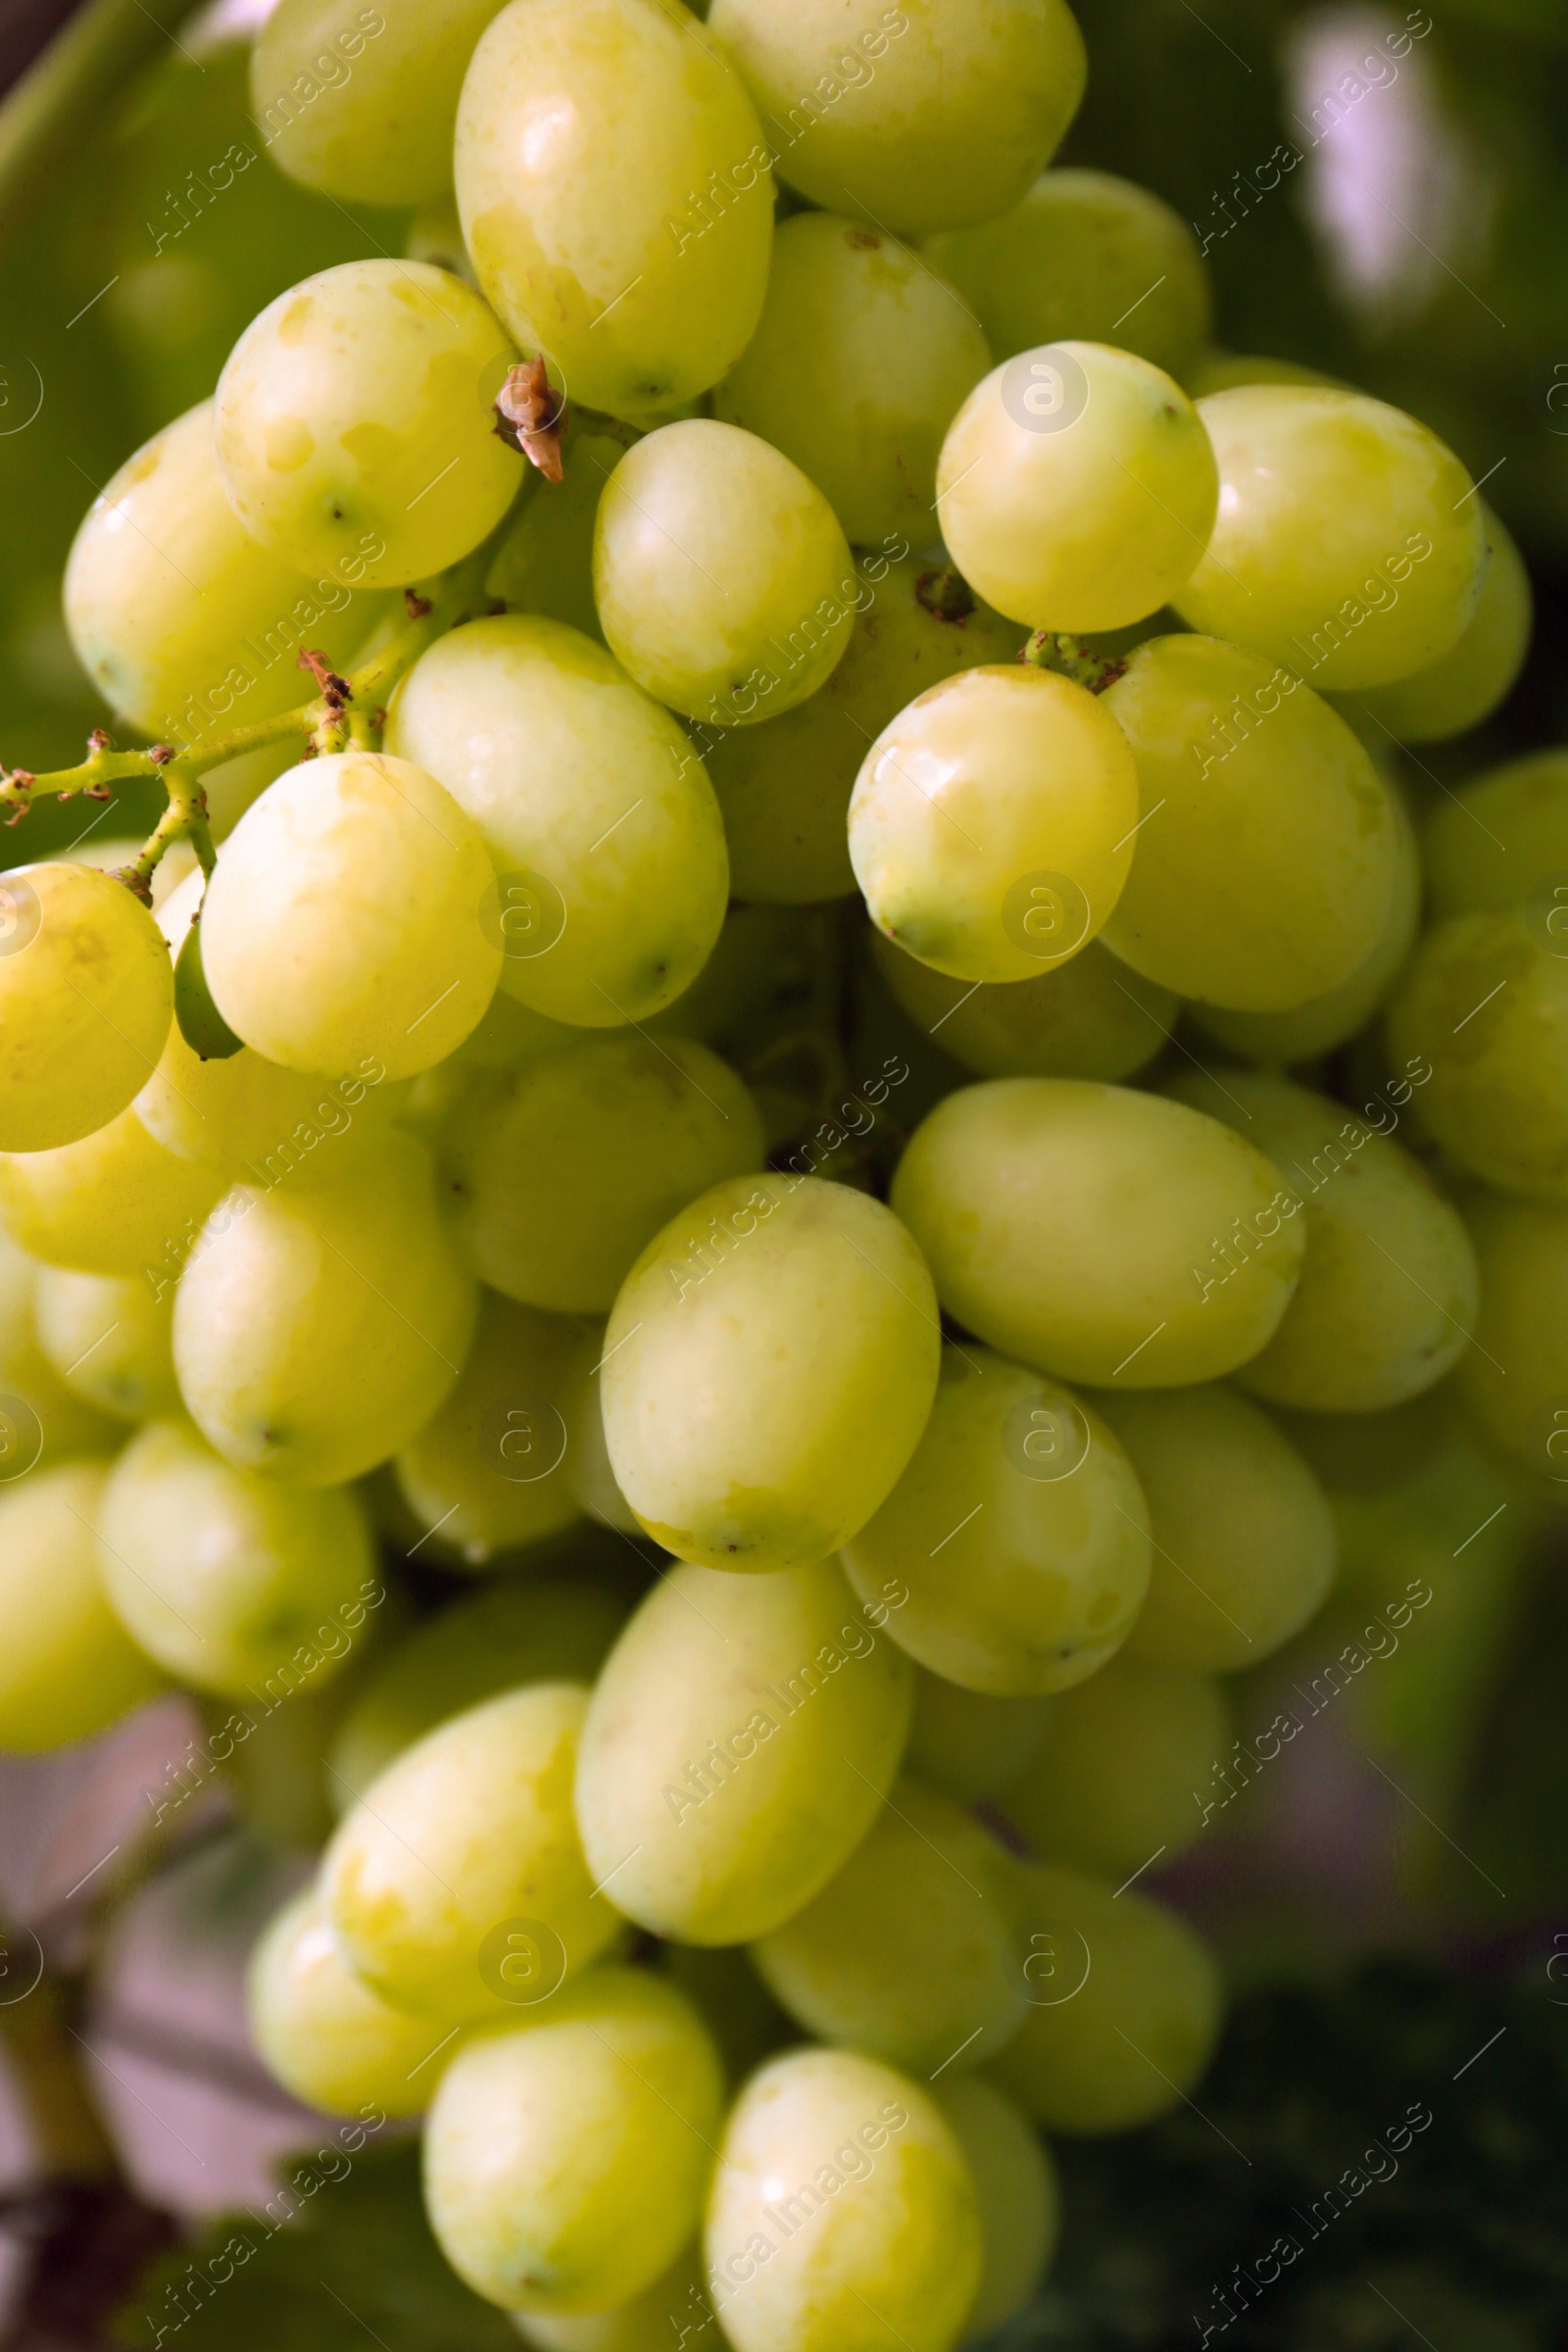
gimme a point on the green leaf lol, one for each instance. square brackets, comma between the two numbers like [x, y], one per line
[201, 1024]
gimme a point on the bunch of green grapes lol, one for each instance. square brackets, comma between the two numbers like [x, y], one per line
[725, 1044]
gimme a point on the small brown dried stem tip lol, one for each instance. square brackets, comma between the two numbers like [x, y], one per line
[530, 416]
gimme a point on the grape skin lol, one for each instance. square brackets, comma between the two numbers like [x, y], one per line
[587, 1459]
[70, 1425]
[1466, 684]
[110, 1338]
[323, 2033]
[1514, 1380]
[69, 1668]
[642, 2324]
[116, 1202]
[967, 1743]
[86, 998]
[1015, 2183]
[1501, 840]
[1090, 1017]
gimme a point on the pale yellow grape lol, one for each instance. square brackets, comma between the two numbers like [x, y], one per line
[969, 1743]
[769, 1364]
[1387, 1299]
[613, 181]
[1015, 2183]
[1267, 860]
[1221, 371]
[741, 1736]
[643, 2324]
[1514, 1380]
[69, 1668]
[435, 234]
[510, 1034]
[1341, 1012]
[231, 786]
[1386, 544]
[991, 827]
[116, 1202]
[1501, 840]
[86, 998]
[922, 116]
[908, 1952]
[545, 564]
[733, 2002]
[587, 1458]
[1482, 1009]
[362, 105]
[486, 1473]
[325, 2035]
[861, 360]
[352, 399]
[566, 1172]
[466, 1832]
[352, 916]
[30, 1381]
[1110, 1785]
[223, 1575]
[849, 2178]
[1466, 684]
[596, 811]
[1090, 1017]
[1077, 488]
[1126, 2009]
[1244, 1548]
[565, 2161]
[186, 626]
[1025, 1572]
[722, 579]
[108, 1338]
[784, 787]
[1062, 1222]
[512, 1631]
[316, 1332]
[1087, 254]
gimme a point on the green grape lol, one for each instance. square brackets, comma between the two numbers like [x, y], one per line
[108, 1338]
[613, 183]
[232, 787]
[1483, 1012]
[273, 1755]
[1324, 1022]
[597, 814]
[1465, 684]
[316, 1332]
[1029, 772]
[1265, 870]
[967, 1743]
[38, 1410]
[565, 1171]
[1063, 1222]
[329, 2038]
[675, 2301]
[1366, 1453]
[485, 1474]
[347, 402]
[186, 646]
[116, 1202]
[565, 2161]
[1513, 1380]
[1387, 544]
[933, 114]
[1501, 840]
[364, 107]
[1019, 1530]
[734, 2004]
[841, 2214]
[1223, 370]
[353, 915]
[221, 1575]
[784, 787]
[1090, 1017]
[741, 1736]
[546, 562]
[1077, 487]
[510, 1034]
[1387, 1299]
[435, 234]
[908, 1952]
[1126, 2006]
[1244, 1539]
[861, 360]
[769, 1365]
[456, 1887]
[1089, 256]
[512, 1632]
[68, 1667]
[1111, 1786]
[722, 579]
[86, 996]
[1015, 2183]
[587, 1457]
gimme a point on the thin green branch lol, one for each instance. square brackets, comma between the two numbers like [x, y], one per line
[1071, 658]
